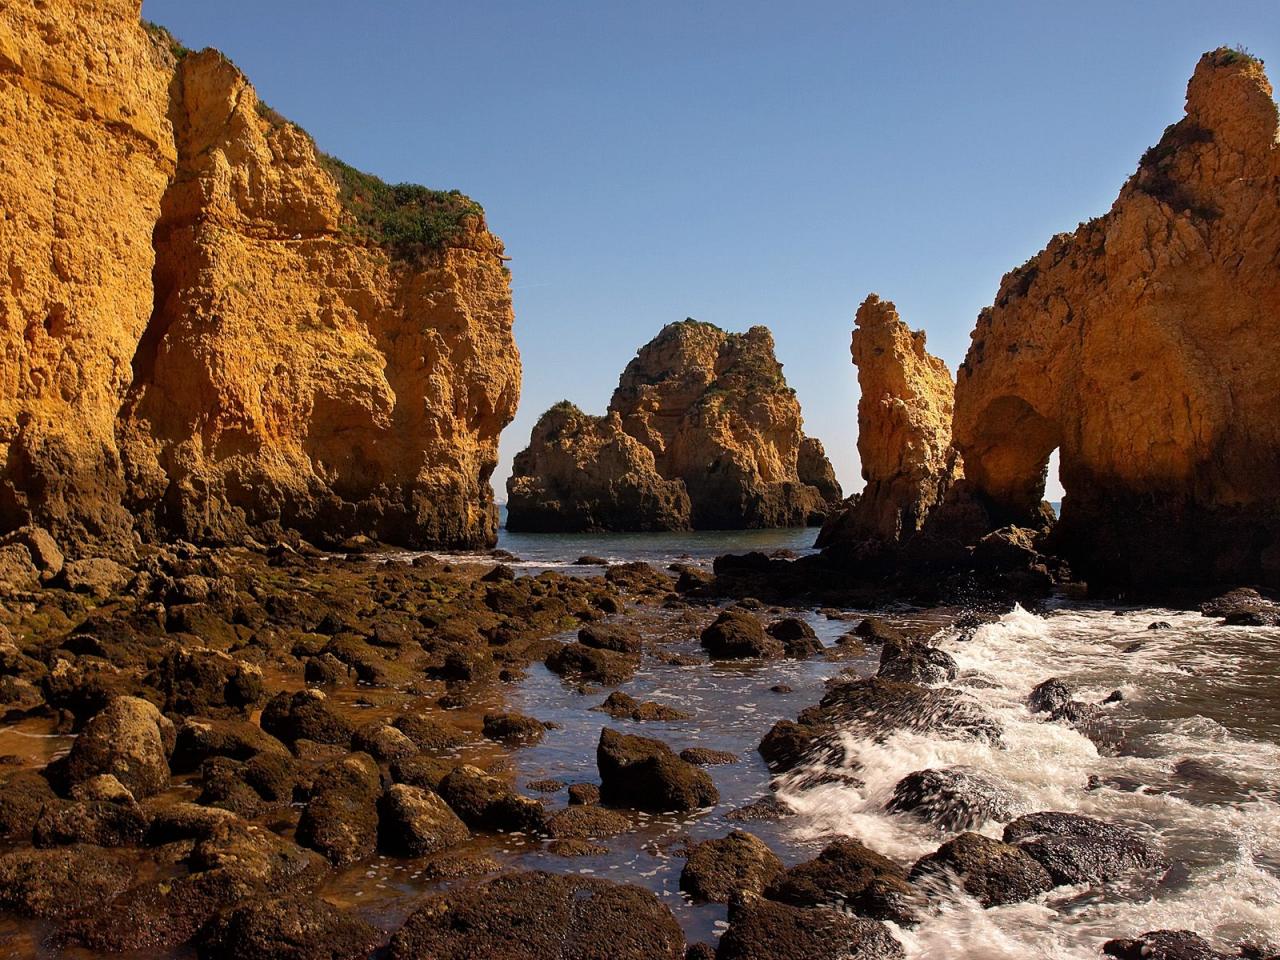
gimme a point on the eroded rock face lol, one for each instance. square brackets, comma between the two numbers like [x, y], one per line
[205, 334]
[702, 432]
[1142, 346]
[904, 431]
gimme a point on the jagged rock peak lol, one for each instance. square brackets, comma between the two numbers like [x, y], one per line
[712, 413]
[904, 430]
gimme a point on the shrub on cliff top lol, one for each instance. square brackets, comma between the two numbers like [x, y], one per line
[166, 39]
[406, 219]
[1227, 56]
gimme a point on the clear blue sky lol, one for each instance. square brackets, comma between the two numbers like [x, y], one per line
[739, 162]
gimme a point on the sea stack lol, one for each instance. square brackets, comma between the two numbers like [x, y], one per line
[713, 440]
[212, 331]
[904, 432]
[1143, 346]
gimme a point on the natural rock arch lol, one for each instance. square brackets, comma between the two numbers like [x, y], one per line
[1010, 457]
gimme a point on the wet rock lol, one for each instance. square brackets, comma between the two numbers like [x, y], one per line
[208, 682]
[1055, 698]
[852, 876]
[789, 744]
[131, 740]
[645, 774]
[513, 729]
[288, 928]
[1241, 605]
[18, 697]
[325, 669]
[499, 574]
[622, 706]
[583, 794]
[765, 930]
[414, 822]
[525, 915]
[718, 869]
[592, 664]
[738, 635]
[98, 822]
[912, 662]
[422, 770]
[1164, 945]
[764, 810]
[341, 819]
[1078, 849]
[700, 951]
[56, 883]
[878, 706]
[587, 560]
[991, 872]
[1160, 625]
[798, 638]
[102, 787]
[613, 637]
[22, 797]
[704, 757]
[546, 786]
[200, 738]
[485, 802]
[251, 786]
[586, 823]
[428, 733]
[304, 715]
[383, 742]
[954, 798]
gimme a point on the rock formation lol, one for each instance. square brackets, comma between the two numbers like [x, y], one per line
[702, 432]
[904, 431]
[1143, 345]
[212, 330]
[584, 473]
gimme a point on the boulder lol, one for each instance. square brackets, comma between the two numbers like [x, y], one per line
[622, 706]
[955, 798]
[129, 739]
[1079, 849]
[96, 576]
[592, 664]
[915, 663]
[615, 637]
[525, 915]
[340, 819]
[513, 729]
[383, 742]
[288, 928]
[991, 872]
[852, 876]
[738, 635]
[208, 682]
[586, 823]
[56, 883]
[798, 638]
[484, 802]
[414, 822]
[1164, 945]
[718, 869]
[765, 930]
[644, 774]
[304, 715]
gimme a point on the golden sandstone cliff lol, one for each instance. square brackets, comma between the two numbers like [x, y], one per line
[702, 432]
[210, 329]
[1144, 347]
[904, 431]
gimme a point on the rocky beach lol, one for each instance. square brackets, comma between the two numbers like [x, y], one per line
[279, 679]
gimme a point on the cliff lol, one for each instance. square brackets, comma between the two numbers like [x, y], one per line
[1143, 346]
[904, 431]
[211, 329]
[713, 413]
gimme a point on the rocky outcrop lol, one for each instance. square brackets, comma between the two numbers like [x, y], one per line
[1143, 347]
[210, 329]
[585, 473]
[904, 432]
[702, 432]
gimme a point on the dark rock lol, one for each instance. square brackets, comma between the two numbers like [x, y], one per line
[764, 930]
[850, 875]
[613, 637]
[718, 869]
[208, 682]
[131, 740]
[915, 663]
[513, 729]
[288, 928]
[991, 872]
[954, 798]
[485, 802]
[56, 883]
[325, 669]
[526, 915]
[590, 561]
[1160, 625]
[1078, 849]
[304, 715]
[1164, 945]
[499, 574]
[341, 818]
[645, 774]
[546, 786]
[764, 810]
[621, 706]
[877, 706]
[414, 822]
[199, 739]
[428, 733]
[797, 637]
[700, 951]
[789, 744]
[23, 796]
[96, 822]
[738, 635]
[586, 823]
[592, 664]
[583, 794]
[704, 757]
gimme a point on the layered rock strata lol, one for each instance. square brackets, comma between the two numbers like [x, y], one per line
[214, 331]
[904, 431]
[1143, 346]
[702, 432]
